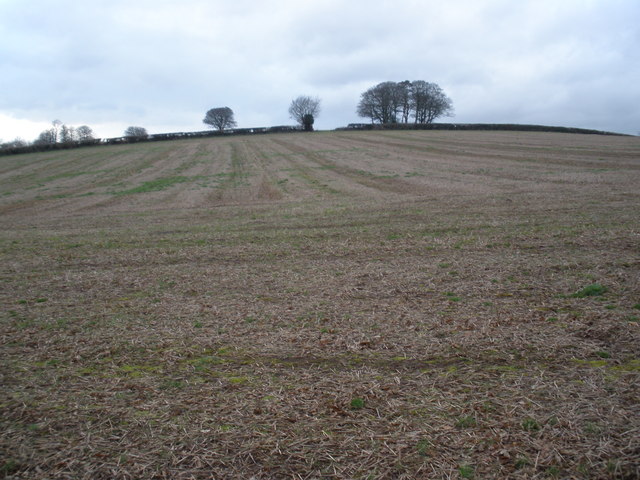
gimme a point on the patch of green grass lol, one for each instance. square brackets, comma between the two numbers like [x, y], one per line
[637, 306]
[593, 290]
[171, 385]
[452, 297]
[530, 425]
[632, 365]
[521, 462]
[466, 422]
[590, 363]
[357, 403]
[59, 323]
[553, 471]
[9, 467]
[592, 428]
[466, 471]
[53, 362]
[238, 380]
[603, 354]
[204, 363]
[423, 447]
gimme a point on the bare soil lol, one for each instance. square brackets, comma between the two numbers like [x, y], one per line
[330, 305]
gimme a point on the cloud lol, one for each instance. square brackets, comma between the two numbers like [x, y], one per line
[162, 64]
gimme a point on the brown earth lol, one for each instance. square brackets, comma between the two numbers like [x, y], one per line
[329, 305]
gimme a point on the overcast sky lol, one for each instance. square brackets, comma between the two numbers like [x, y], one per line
[162, 64]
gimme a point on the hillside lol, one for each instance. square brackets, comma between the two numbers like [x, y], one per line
[328, 167]
[357, 304]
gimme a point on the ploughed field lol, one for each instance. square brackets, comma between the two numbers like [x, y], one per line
[419, 304]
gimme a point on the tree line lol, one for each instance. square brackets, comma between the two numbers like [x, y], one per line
[386, 103]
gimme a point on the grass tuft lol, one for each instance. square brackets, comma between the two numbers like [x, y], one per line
[593, 290]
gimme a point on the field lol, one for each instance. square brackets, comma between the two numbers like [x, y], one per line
[351, 305]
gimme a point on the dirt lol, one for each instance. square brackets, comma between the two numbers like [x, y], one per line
[328, 305]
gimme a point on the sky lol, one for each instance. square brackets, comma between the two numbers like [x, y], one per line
[162, 64]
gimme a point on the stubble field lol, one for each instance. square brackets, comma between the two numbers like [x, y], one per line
[374, 305]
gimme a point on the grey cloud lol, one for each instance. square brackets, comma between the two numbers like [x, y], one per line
[164, 63]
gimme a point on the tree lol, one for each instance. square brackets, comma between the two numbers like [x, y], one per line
[303, 108]
[391, 102]
[84, 133]
[381, 103]
[404, 100]
[67, 134]
[136, 132]
[48, 137]
[220, 118]
[429, 102]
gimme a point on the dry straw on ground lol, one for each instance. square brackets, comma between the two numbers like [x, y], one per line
[337, 305]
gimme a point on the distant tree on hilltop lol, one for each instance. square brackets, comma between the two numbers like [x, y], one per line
[304, 110]
[392, 102]
[67, 134]
[47, 137]
[220, 118]
[84, 133]
[136, 132]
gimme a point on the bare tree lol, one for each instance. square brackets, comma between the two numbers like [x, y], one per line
[381, 103]
[404, 100]
[220, 118]
[67, 134]
[84, 133]
[47, 137]
[304, 110]
[429, 102]
[136, 132]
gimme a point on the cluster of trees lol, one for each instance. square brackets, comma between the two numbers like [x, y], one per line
[400, 102]
[61, 133]
[65, 136]
[58, 135]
